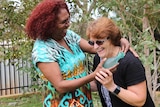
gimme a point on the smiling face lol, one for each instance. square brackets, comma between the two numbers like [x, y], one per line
[62, 24]
[102, 49]
[98, 31]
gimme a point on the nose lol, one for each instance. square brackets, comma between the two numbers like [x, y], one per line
[67, 24]
[95, 46]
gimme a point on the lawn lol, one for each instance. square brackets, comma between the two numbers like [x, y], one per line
[34, 100]
[157, 101]
[31, 100]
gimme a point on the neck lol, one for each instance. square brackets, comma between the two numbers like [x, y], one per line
[61, 41]
[112, 51]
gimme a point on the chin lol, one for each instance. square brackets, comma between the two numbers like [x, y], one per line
[64, 34]
[101, 54]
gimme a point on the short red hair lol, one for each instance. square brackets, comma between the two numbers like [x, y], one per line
[104, 27]
[42, 21]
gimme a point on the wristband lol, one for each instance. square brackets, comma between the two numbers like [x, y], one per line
[117, 90]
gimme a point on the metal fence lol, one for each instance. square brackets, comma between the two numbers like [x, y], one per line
[12, 80]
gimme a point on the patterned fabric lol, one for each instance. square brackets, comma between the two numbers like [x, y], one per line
[105, 94]
[71, 66]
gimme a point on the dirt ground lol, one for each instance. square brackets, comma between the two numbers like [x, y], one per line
[157, 100]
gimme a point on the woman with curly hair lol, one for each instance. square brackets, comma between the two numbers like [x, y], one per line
[58, 56]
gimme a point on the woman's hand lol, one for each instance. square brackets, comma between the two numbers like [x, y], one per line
[100, 65]
[125, 46]
[105, 77]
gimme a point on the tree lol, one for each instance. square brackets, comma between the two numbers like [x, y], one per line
[83, 11]
[14, 44]
[138, 20]
[12, 19]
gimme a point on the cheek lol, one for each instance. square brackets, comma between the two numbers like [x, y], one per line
[59, 27]
[62, 27]
[59, 30]
[102, 52]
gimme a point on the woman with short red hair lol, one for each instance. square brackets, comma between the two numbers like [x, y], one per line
[125, 86]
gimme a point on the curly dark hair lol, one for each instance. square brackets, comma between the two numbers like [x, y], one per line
[42, 21]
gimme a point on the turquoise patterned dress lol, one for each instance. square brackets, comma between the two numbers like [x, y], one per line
[71, 66]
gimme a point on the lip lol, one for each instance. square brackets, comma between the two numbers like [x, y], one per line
[65, 30]
[100, 50]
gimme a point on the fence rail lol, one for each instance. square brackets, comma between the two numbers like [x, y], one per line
[12, 80]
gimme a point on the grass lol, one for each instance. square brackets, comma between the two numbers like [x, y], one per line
[34, 100]
[157, 101]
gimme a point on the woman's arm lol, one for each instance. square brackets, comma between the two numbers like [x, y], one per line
[86, 47]
[125, 45]
[53, 74]
[134, 95]
[93, 85]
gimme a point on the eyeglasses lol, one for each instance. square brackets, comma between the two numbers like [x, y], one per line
[98, 42]
[65, 21]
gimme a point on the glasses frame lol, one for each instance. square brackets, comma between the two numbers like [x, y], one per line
[98, 42]
[65, 21]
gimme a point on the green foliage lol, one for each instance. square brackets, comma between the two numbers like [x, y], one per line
[138, 21]
[12, 30]
[14, 42]
[130, 15]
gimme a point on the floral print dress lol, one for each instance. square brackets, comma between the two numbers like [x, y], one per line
[71, 66]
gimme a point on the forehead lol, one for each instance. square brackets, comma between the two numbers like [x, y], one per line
[97, 37]
[63, 14]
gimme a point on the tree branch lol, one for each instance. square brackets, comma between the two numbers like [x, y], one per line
[78, 3]
[156, 12]
[92, 6]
